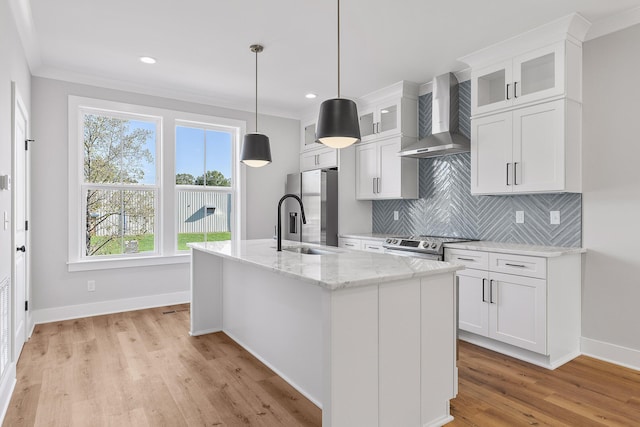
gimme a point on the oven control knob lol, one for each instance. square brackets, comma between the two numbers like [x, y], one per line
[388, 240]
[395, 241]
[434, 245]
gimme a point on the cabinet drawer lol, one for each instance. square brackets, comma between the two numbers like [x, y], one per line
[470, 259]
[372, 246]
[517, 264]
[350, 243]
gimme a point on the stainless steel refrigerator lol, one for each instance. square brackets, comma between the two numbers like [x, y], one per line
[318, 190]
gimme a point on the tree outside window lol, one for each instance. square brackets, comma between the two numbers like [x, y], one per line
[119, 190]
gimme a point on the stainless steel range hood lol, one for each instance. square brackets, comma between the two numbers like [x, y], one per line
[446, 137]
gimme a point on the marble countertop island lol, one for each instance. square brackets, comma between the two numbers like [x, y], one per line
[342, 268]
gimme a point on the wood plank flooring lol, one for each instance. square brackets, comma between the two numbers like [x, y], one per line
[142, 368]
[497, 390]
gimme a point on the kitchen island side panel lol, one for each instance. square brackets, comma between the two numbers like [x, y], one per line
[279, 320]
[206, 284]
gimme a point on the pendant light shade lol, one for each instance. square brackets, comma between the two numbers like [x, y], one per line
[338, 125]
[256, 150]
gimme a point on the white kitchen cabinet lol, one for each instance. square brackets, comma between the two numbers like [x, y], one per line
[372, 246]
[473, 313]
[521, 305]
[525, 78]
[506, 307]
[388, 112]
[517, 311]
[322, 158]
[382, 174]
[532, 149]
[349, 243]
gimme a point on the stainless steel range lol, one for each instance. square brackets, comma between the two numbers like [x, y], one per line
[429, 247]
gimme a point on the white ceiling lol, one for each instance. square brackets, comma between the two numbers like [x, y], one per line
[202, 46]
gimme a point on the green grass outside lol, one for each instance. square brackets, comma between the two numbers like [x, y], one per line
[145, 241]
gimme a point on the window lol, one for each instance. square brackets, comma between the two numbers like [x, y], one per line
[119, 189]
[145, 181]
[204, 185]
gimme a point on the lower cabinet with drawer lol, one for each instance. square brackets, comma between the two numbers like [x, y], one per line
[524, 306]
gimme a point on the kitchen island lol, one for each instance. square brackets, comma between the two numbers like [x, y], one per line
[369, 338]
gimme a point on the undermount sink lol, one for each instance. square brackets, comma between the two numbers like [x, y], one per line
[306, 250]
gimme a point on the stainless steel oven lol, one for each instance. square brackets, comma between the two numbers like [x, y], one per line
[426, 247]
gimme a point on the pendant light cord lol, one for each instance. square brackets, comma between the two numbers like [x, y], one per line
[256, 90]
[338, 48]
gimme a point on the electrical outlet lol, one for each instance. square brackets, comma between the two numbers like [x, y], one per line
[396, 216]
[91, 285]
[519, 217]
[554, 217]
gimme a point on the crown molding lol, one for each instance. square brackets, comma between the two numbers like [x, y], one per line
[211, 99]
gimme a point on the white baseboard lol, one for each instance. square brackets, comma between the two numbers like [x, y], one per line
[56, 314]
[205, 332]
[6, 389]
[612, 353]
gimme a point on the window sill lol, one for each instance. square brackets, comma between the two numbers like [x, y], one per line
[107, 264]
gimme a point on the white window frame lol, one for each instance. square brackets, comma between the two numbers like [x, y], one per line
[233, 190]
[166, 248]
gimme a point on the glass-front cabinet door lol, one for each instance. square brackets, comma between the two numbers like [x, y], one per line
[367, 124]
[492, 88]
[388, 117]
[533, 76]
[539, 74]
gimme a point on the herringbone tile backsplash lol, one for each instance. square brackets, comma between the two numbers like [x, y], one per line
[445, 206]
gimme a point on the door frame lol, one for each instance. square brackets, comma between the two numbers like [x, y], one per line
[18, 103]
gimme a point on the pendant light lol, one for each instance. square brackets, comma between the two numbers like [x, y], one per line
[256, 151]
[338, 125]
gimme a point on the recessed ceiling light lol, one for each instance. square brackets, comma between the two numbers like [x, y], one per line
[310, 95]
[147, 60]
[384, 111]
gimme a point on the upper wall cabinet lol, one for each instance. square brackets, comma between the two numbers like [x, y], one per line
[390, 112]
[526, 78]
[315, 155]
[537, 66]
[526, 111]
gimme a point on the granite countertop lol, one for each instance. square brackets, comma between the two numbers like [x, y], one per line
[372, 236]
[342, 269]
[516, 248]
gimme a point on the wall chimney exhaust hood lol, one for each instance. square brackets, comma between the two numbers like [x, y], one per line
[446, 137]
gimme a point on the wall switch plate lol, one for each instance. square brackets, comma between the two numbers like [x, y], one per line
[554, 217]
[519, 217]
[91, 285]
[396, 216]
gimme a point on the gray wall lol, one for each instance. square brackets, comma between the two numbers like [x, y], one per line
[13, 67]
[52, 284]
[611, 185]
[445, 206]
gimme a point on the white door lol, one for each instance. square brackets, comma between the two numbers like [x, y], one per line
[366, 171]
[492, 88]
[20, 188]
[491, 154]
[390, 165]
[518, 311]
[473, 301]
[538, 148]
[539, 74]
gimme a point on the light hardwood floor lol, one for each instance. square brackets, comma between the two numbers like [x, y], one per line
[497, 390]
[142, 368]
